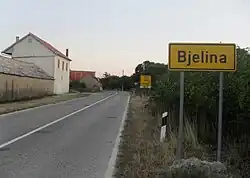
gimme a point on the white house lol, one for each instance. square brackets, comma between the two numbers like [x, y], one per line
[33, 49]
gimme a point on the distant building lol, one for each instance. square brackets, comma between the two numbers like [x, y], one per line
[86, 77]
[33, 49]
[91, 82]
[19, 80]
[78, 75]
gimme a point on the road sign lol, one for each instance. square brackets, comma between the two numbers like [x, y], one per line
[202, 57]
[145, 81]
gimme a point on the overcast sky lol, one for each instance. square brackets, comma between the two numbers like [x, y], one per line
[112, 35]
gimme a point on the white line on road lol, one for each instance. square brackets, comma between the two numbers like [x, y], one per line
[112, 161]
[54, 122]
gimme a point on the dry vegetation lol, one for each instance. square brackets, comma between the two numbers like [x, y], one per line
[140, 150]
[141, 154]
[20, 105]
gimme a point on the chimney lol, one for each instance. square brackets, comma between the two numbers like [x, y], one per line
[67, 52]
[17, 38]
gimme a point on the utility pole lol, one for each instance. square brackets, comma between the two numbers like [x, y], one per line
[122, 81]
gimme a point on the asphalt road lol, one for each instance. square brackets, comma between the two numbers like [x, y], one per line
[77, 145]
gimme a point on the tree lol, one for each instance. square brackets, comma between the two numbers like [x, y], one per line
[115, 82]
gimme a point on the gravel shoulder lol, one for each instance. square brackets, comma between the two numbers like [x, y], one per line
[140, 152]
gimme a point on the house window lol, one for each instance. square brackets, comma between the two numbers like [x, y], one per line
[58, 64]
[29, 40]
[63, 65]
[67, 66]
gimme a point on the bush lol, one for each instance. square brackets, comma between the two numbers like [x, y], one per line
[77, 85]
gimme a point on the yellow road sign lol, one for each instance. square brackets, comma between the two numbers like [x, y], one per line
[145, 81]
[202, 57]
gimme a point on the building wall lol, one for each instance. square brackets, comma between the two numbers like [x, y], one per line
[30, 47]
[30, 50]
[46, 63]
[61, 75]
[16, 88]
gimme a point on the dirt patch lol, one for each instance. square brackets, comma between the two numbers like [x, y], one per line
[20, 105]
[140, 152]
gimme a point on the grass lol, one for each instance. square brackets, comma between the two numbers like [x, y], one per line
[140, 151]
[20, 105]
[141, 154]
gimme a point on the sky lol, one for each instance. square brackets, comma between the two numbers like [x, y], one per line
[115, 35]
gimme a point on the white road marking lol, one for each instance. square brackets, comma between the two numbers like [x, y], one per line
[54, 122]
[112, 161]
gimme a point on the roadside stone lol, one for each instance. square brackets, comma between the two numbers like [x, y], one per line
[195, 168]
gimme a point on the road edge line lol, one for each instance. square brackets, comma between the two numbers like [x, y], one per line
[53, 122]
[112, 161]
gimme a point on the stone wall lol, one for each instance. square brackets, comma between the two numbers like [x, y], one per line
[17, 88]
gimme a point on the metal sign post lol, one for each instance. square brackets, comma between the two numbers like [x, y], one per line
[220, 117]
[181, 111]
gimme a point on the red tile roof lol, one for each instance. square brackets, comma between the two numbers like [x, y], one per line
[44, 43]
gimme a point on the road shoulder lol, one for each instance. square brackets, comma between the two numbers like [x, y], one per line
[28, 104]
[112, 162]
[140, 151]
